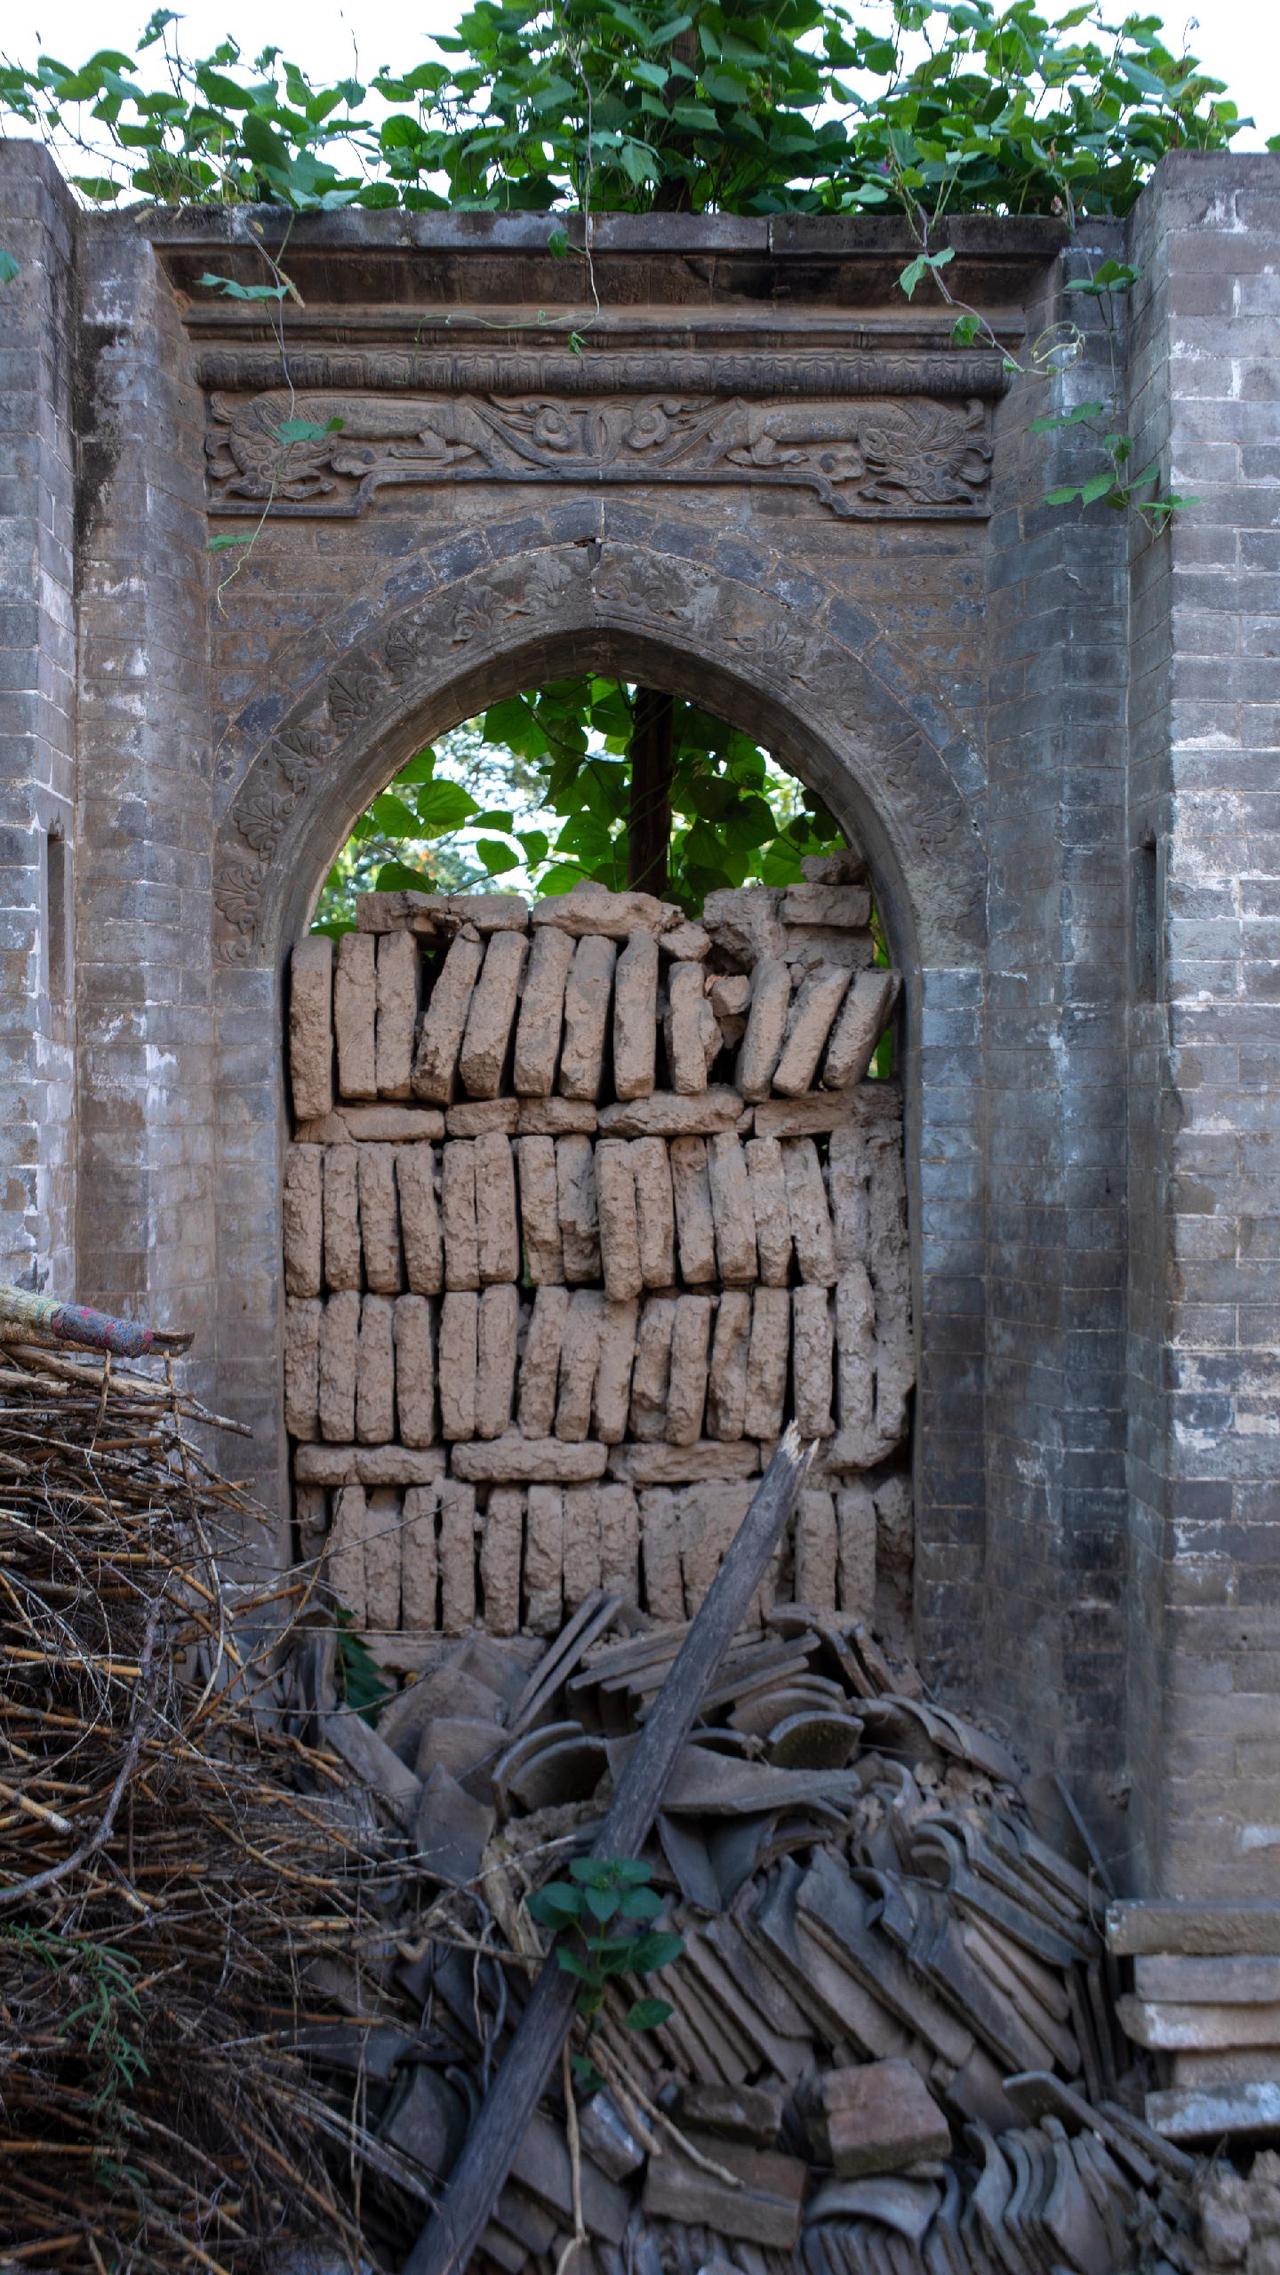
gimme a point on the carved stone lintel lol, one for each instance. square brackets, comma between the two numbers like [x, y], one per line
[862, 457]
[841, 374]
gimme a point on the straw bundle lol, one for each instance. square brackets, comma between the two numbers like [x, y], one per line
[164, 1874]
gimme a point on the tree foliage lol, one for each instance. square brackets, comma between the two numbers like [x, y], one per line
[956, 106]
[536, 794]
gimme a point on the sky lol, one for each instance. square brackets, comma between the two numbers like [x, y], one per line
[1238, 40]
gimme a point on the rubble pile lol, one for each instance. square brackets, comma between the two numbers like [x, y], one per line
[583, 1202]
[892, 2043]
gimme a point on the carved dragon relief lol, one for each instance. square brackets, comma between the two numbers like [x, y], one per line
[651, 590]
[905, 459]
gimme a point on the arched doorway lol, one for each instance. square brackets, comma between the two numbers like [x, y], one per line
[585, 1198]
[791, 665]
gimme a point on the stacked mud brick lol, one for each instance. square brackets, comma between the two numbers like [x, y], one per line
[584, 1200]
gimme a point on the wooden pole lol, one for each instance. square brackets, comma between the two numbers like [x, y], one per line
[452, 2232]
[649, 822]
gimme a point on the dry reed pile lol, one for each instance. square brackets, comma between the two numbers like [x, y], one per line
[167, 1863]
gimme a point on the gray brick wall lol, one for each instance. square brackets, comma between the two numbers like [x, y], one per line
[1204, 859]
[146, 1198]
[1055, 733]
[1055, 1224]
[37, 723]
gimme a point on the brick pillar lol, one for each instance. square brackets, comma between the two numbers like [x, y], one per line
[1055, 1071]
[37, 725]
[1204, 855]
[144, 905]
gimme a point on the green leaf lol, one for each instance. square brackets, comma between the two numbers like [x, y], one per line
[224, 542]
[234, 291]
[496, 857]
[1097, 487]
[393, 817]
[646, 2014]
[656, 1950]
[557, 1905]
[535, 845]
[9, 268]
[965, 331]
[602, 1903]
[307, 430]
[641, 1904]
[443, 806]
[1075, 418]
[570, 1964]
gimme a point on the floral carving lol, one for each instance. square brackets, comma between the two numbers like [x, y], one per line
[859, 455]
[353, 697]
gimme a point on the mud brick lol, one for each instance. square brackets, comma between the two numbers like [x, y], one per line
[660, 1553]
[812, 1354]
[341, 1217]
[457, 1551]
[538, 1030]
[766, 1027]
[619, 1227]
[459, 1336]
[587, 996]
[415, 1357]
[846, 908]
[695, 1222]
[727, 1379]
[766, 1176]
[375, 1373]
[816, 1550]
[807, 1210]
[497, 1222]
[420, 1231]
[619, 1519]
[655, 1211]
[731, 1207]
[501, 1542]
[302, 1366]
[336, 1390]
[709, 1517]
[544, 1559]
[864, 1015]
[302, 1214]
[379, 1218]
[579, 1217]
[686, 1028]
[611, 1397]
[458, 1214]
[687, 1392]
[498, 1332]
[579, 1360]
[482, 1117]
[398, 980]
[382, 1559]
[581, 1544]
[856, 1567]
[491, 1016]
[435, 1065]
[651, 1370]
[355, 1013]
[540, 1199]
[419, 1561]
[809, 1022]
[661, 1113]
[512, 1460]
[635, 1016]
[311, 1028]
[344, 1563]
[768, 1354]
[540, 1363]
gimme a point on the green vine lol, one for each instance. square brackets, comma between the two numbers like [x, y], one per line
[604, 1913]
[578, 107]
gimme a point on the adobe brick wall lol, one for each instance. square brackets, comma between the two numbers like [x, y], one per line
[1004, 704]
